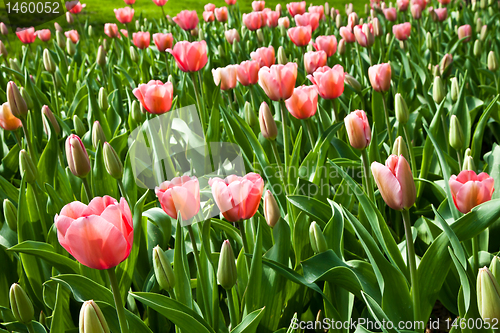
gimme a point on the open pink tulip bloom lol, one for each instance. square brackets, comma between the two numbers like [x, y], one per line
[265, 56]
[329, 82]
[358, 129]
[190, 57]
[155, 96]
[278, 81]
[181, 194]
[238, 198]
[380, 77]
[470, 190]
[26, 35]
[402, 31]
[303, 103]
[99, 235]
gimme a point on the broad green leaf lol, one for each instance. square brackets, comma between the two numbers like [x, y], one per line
[250, 322]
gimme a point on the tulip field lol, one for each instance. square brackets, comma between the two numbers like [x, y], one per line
[250, 167]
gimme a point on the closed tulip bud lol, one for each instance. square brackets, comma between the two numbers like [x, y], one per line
[469, 163]
[10, 214]
[367, 9]
[76, 154]
[445, 63]
[333, 14]
[479, 25]
[478, 48]
[438, 92]
[103, 99]
[488, 295]
[61, 39]
[402, 113]
[483, 4]
[456, 135]
[388, 38]
[14, 64]
[136, 112]
[163, 269]
[220, 50]
[495, 268]
[27, 168]
[197, 32]
[474, 6]
[69, 18]
[317, 239]
[260, 36]
[91, 319]
[48, 117]
[20, 304]
[42, 319]
[483, 33]
[282, 58]
[327, 8]
[361, 21]
[400, 148]
[70, 47]
[492, 61]
[250, 117]
[90, 31]
[101, 56]
[27, 98]
[309, 48]
[283, 31]
[106, 45]
[3, 29]
[98, 136]
[338, 21]
[133, 54]
[341, 47]
[267, 124]
[236, 47]
[377, 27]
[78, 126]
[455, 90]
[112, 162]
[137, 25]
[58, 79]
[48, 62]
[429, 41]
[16, 101]
[271, 210]
[3, 50]
[226, 272]
[351, 81]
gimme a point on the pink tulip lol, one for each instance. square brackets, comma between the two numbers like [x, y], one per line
[58, 27]
[44, 35]
[303, 103]
[390, 14]
[278, 81]
[402, 31]
[129, 2]
[74, 7]
[232, 35]
[380, 77]
[327, 44]
[99, 235]
[163, 41]
[209, 7]
[124, 32]
[208, 16]
[347, 35]
[3, 29]
[314, 60]
[358, 129]
[141, 39]
[225, 77]
[284, 22]
[258, 6]
[187, 19]
[238, 198]
[421, 3]
[26, 35]
[160, 3]
[73, 36]
[470, 190]
[111, 30]
[265, 56]
[248, 72]
[329, 82]
[7, 120]
[465, 31]
[155, 96]
[181, 194]
[352, 21]
[403, 5]
[416, 11]
[190, 57]
[272, 18]
[395, 182]
[307, 19]
[231, 2]
[221, 14]
[300, 36]
[295, 8]
[253, 20]
[124, 15]
[318, 10]
[441, 13]
[364, 34]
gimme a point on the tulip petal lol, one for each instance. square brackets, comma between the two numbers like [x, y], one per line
[388, 185]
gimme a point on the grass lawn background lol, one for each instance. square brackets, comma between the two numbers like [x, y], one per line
[99, 12]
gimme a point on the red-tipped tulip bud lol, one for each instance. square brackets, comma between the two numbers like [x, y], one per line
[271, 210]
[48, 117]
[358, 129]
[488, 296]
[20, 304]
[163, 269]
[400, 148]
[267, 124]
[98, 136]
[395, 182]
[16, 102]
[76, 154]
[317, 239]
[27, 168]
[226, 273]
[112, 161]
[91, 319]
[10, 214]
[402, 113]
[445, 63]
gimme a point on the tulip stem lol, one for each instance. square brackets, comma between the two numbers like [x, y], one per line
[56, 102]
[18, 139]
[241, 226]
[232, 310]
[124, 193]
[412, 153]
[88, 191]
[366, 173]
[278, 162]
[120, 310]
[459, 159]
[387, 122]
[475, 254]
[284, 121]
[309, 132]
[30, 328]
[200, 110]
[412, 263]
